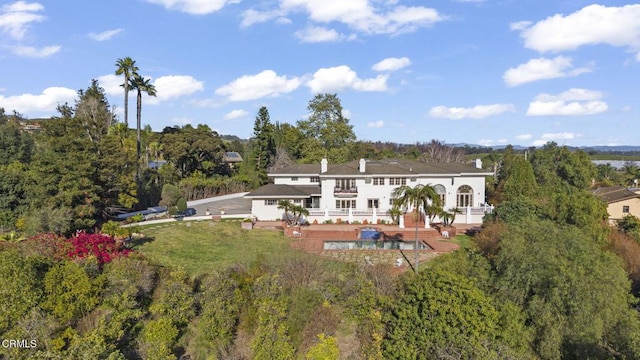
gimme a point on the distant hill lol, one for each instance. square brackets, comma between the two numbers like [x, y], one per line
[597, 149]
[620, 148]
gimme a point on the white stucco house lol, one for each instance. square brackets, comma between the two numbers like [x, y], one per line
[362, 189]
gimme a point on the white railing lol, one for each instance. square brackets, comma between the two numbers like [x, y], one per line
[467, 215]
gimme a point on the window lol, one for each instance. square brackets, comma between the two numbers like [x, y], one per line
[625, 209]
[373, 203]
[297, 201]
[315, 179]
[378, 181]
[345, 204]
[441, 191]
[271, 202]
[397, 181]
[464, 196]
[346, 184]
[294, 178]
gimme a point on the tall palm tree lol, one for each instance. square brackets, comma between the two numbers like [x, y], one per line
[127, 67]
[140, 84]
[414, 197]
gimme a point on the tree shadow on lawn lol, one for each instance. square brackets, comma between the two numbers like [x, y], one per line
[136, 243]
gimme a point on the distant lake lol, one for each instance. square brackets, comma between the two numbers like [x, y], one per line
[618, 164]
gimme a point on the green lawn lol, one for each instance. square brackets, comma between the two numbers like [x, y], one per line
[464, 241]
[204, 246]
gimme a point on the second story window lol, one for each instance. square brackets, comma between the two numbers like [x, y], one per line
[397, 181]
[315, 179]
[294, 178]
[345, 184]
[378, 181]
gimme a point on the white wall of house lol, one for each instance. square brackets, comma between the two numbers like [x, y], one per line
[267, 209]
[302, 179]
[368, 189]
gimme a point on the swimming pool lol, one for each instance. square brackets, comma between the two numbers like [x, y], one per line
[373, 245]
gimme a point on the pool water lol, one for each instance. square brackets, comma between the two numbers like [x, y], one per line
[373, 245]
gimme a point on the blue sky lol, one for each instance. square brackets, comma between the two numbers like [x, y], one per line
[488, 72]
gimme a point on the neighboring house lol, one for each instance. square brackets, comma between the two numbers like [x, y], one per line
[620, 201]
[30, 126]
[231, 158]
[360, 190]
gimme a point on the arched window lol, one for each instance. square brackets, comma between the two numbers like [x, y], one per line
[464, 196]
[441, 191]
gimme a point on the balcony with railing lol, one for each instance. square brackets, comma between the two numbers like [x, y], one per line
[339, 191]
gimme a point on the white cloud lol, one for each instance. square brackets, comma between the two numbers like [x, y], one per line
[554, 137]
[43, 103]
[375, 124]
[32, 52]
[174, 86]
[167, 87]
[573, 94]
[476, 112]
[364, 16]
[520, 25]
[16, 17]
[252, 16]
[194, 7]
[341, 78]
[542, 69]
[391, 64]
[572, 102]
[235, 114]
[105, 35]
[593, 24]
[315, 34]
[111, 84]
[264, 84]
[524, 137]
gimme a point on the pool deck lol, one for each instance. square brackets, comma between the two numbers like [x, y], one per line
[311, 239]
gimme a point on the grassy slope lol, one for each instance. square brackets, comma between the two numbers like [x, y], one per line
[200, 247]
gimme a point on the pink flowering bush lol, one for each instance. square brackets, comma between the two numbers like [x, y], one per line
[103, 247]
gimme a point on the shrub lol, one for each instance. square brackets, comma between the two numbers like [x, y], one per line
[173, 211]
[181, 204]
[170, 195]
[329, 221]
[103, 247]
[325, 349]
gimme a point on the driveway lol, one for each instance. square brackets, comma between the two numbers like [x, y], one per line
[231, 204]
